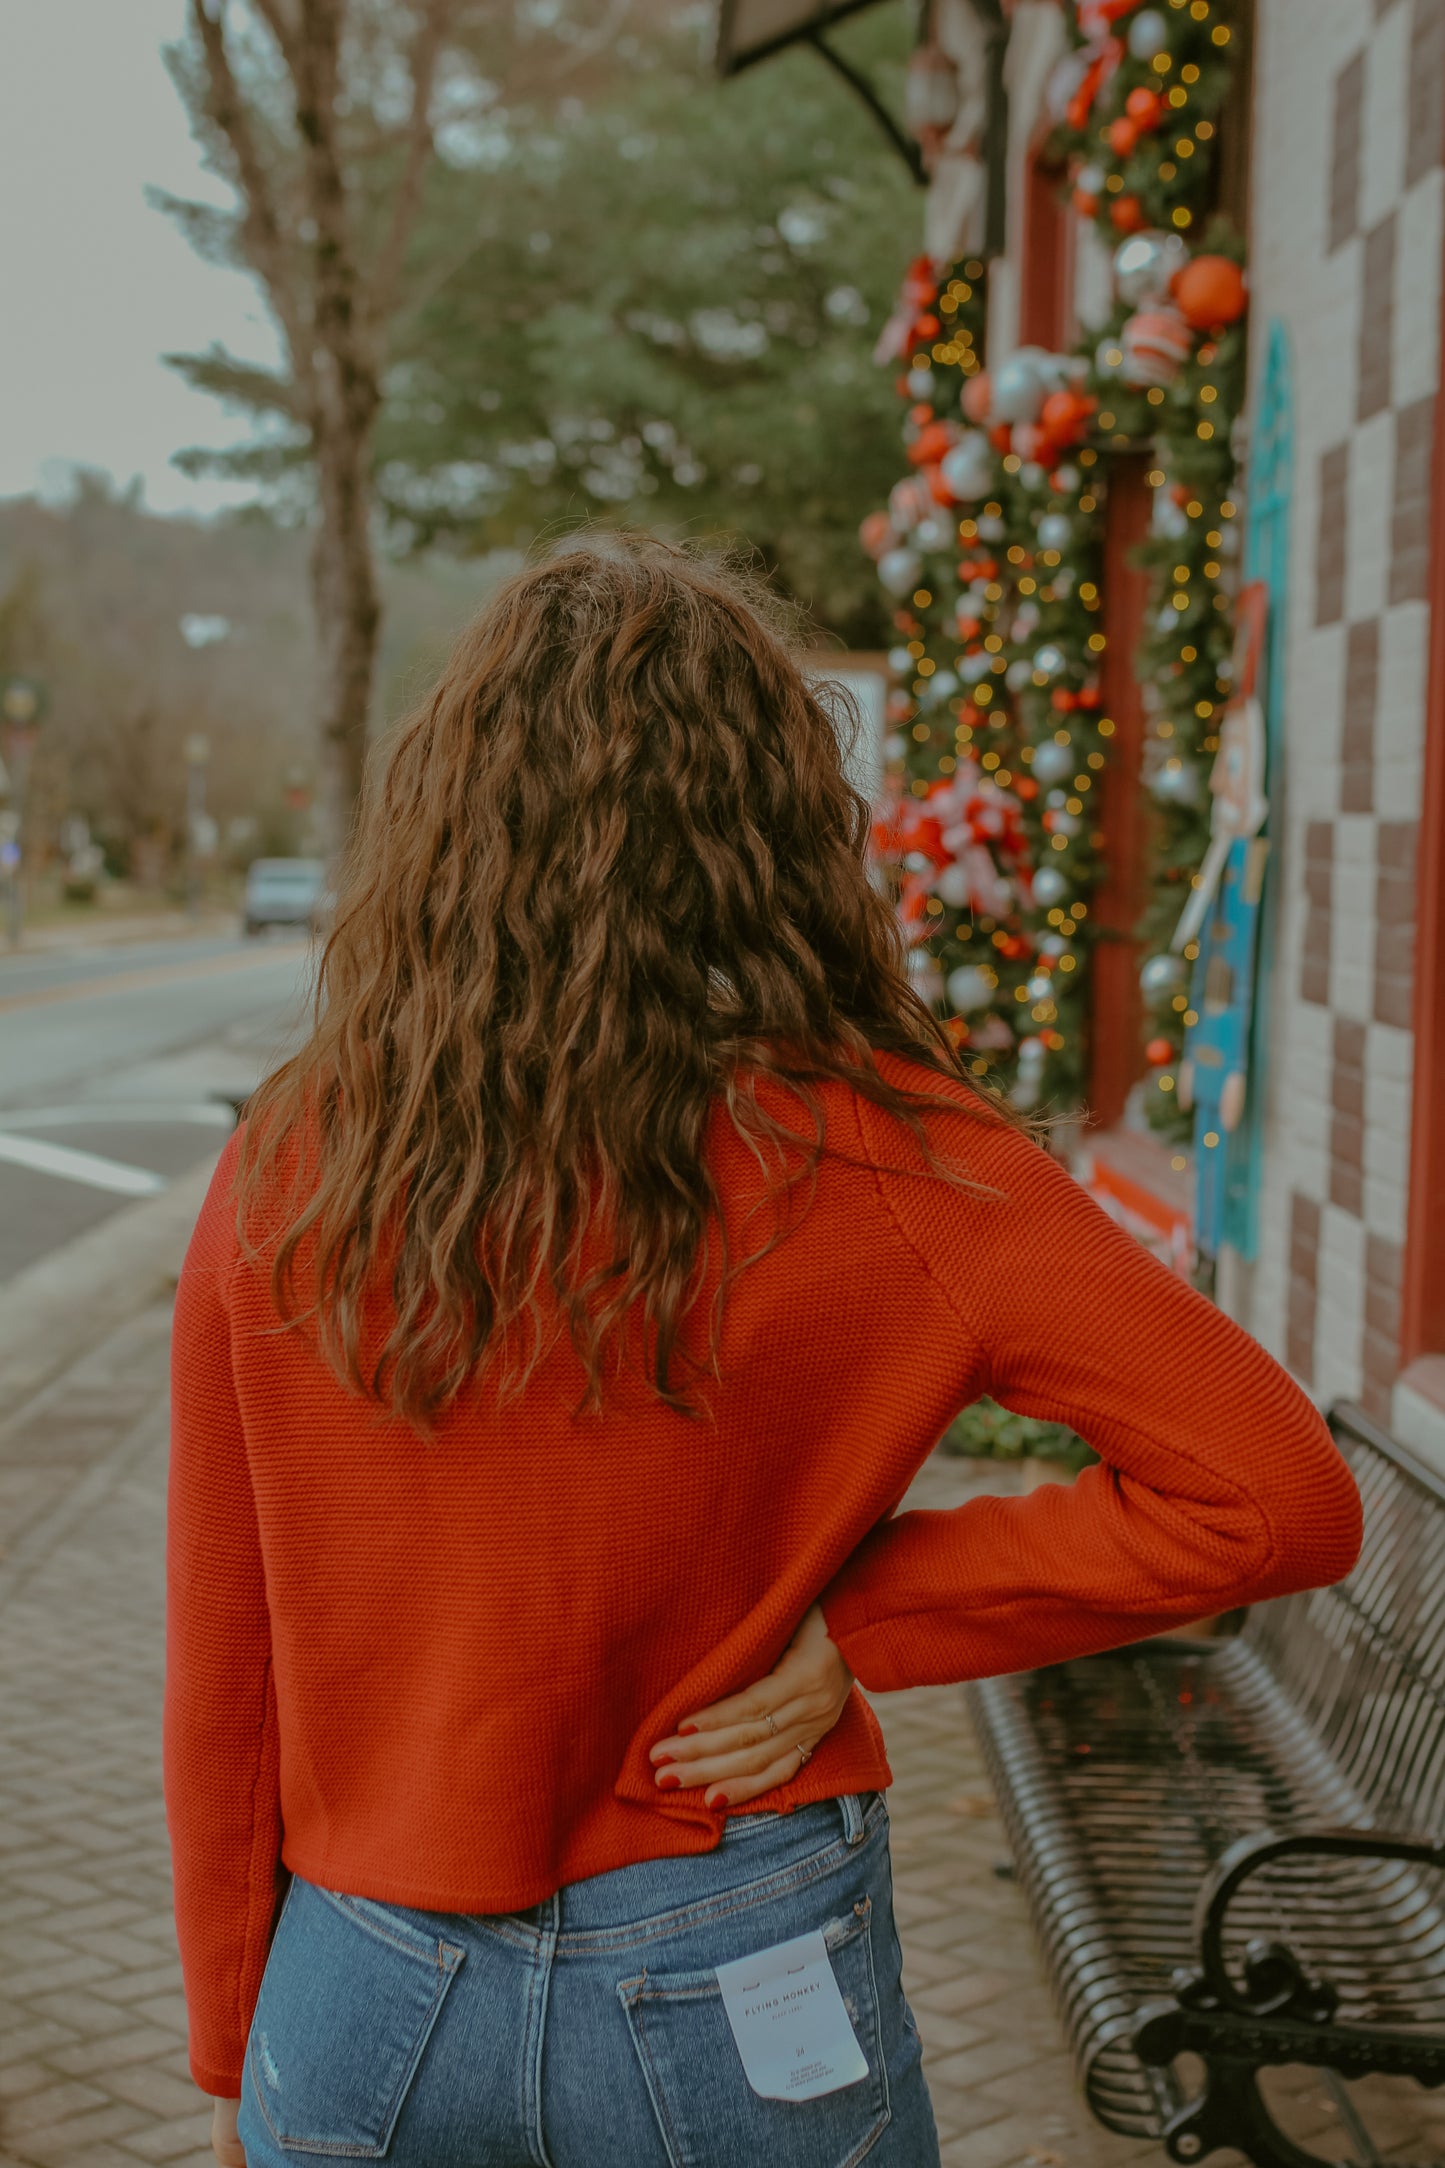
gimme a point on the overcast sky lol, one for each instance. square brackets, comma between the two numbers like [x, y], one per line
[94, 284]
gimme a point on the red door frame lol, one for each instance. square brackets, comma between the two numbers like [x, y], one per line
[1046, 297]
[1116, 1053]
[1422, 1305]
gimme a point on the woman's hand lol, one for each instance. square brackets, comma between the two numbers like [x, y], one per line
[225, 2144]
[742, 1747]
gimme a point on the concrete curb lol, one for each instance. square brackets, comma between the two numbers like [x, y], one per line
[54, 1311]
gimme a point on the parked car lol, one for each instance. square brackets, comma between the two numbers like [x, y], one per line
[285, 892]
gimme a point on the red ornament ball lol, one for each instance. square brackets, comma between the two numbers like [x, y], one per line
[1145, 108]
[1158, 1052]
[1209, 291]
[1064, 416]
[1126, 214]
[1156, 343]
[876, 533]
[1123, 136]
[975, 397]
[930, 444]
[1085, 205]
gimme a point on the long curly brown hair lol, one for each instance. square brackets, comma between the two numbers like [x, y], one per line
[608, 876]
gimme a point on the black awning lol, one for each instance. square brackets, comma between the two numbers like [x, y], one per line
[750, 30]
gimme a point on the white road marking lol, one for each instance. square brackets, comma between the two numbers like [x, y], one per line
[94, 1113]
[86, 1167]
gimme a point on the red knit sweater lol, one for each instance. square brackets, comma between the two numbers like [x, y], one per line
[429, 1672]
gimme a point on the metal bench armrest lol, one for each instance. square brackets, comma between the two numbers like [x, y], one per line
[1274, 1981]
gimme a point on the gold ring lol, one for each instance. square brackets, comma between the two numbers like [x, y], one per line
[772, 1727]
[804, 1754]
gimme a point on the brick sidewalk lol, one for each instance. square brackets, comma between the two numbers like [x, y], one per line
[92, 2024]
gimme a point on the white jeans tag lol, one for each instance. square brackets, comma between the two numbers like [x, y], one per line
[788, 2020]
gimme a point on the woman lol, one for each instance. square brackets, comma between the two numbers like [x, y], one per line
[552, 1353]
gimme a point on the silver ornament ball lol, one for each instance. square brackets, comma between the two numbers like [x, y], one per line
[1148, 34]
[1052, 762]
[1017, 389]
[1050, 887]
[1161, 977]
[1176, 783]
[967, 467]
[900, 570]
[926, 977]
[968, 989]
[1145, 266]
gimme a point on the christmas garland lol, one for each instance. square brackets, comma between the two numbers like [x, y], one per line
[1137, 103]
[992, 550]
[997, 733]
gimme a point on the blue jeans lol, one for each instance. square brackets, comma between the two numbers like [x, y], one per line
[587, 2032]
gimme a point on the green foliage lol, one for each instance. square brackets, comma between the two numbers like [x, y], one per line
[985, 1431]
[658, 309]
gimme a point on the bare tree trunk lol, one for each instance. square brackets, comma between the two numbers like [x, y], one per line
[333, 303]
[348, 619]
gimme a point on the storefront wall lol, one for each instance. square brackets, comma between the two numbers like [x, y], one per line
[1346, 242]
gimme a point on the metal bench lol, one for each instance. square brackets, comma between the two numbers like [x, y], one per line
[1234, 1849]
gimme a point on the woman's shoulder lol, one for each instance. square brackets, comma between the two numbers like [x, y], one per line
[942, 1113]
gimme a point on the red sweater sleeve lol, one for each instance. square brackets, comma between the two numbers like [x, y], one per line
[220, 1730]
[1219, 1483]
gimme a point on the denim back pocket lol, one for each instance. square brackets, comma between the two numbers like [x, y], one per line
[350, 1995]
[709, 2115]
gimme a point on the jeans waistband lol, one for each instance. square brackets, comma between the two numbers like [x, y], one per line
[851, 1808]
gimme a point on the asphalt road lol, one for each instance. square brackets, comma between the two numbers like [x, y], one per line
[117, 1069]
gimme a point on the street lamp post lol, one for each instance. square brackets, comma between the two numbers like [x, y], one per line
[20, 704]
[198, 752]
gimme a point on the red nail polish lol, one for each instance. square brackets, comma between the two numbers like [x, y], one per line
[685, 1731]
[719, 1799]
[669, 1781]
